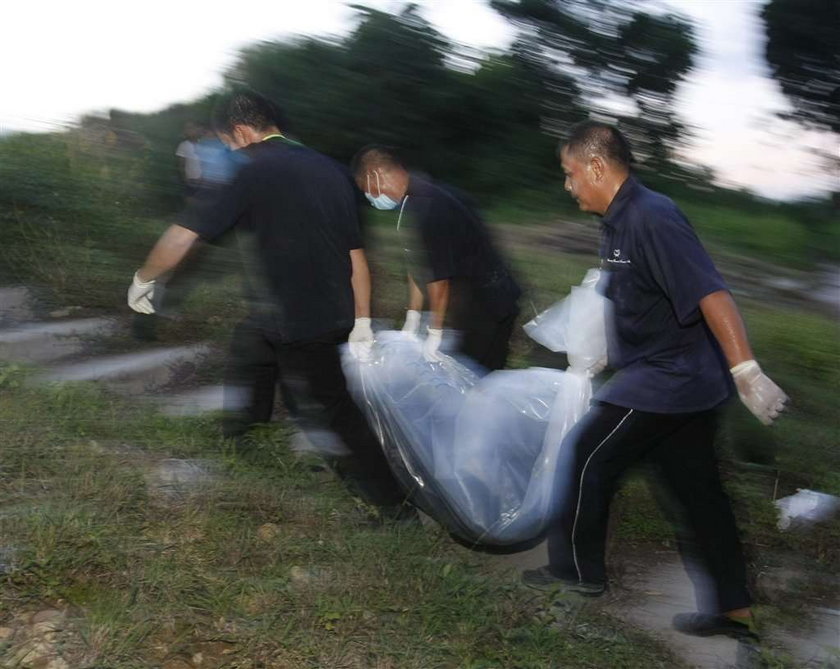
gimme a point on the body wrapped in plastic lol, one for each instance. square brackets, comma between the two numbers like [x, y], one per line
[478, 454]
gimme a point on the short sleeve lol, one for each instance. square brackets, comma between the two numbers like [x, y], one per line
[185, 150]
[212, 217]
[679, 264]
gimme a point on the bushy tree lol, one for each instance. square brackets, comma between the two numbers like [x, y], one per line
[803, 49]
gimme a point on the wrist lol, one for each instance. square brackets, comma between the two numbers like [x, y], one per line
[363, 320]
[744, 367]
[139, 280]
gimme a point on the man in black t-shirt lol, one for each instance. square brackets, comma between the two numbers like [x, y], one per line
[294, 213]
[452, 259]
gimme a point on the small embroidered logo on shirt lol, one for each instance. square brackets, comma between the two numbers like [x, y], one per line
[617, 259]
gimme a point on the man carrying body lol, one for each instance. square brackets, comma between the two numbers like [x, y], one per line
[295, 217]
[678, 342]
[452, 259]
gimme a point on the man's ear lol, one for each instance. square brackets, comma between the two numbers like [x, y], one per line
[598, 167]
[242, 135]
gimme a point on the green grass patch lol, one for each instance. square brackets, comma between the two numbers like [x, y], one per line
[267, 562]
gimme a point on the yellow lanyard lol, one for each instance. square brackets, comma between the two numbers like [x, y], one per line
[279, 135]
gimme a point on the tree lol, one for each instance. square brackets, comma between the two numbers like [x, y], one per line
[803, 49]
[610, 50]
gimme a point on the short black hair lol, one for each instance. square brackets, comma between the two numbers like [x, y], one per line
[375, 155]
[243, 106]
[594, 138]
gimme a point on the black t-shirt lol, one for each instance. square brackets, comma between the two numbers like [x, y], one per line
[295, 215]
[446, 239]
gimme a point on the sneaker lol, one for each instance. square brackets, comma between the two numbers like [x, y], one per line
[709, 624]
[543, 579]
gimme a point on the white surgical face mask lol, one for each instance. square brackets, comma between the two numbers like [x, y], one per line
[380, 201]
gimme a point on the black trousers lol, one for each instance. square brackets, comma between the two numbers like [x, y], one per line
[488, 342]
[309, 373]
[679, 448]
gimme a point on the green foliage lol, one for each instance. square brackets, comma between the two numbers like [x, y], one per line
[616, 50]
[771, 235]
[802, 39]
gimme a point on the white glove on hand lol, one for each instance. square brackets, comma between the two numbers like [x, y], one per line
[361, 340]
[592, 370]
[432, 344]
[140, 294]
[412, 322]
[758, 393]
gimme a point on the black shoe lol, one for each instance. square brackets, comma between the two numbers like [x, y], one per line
[709, 624]
[543, 579]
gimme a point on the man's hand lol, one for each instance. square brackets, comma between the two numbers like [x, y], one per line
[760, 395]
[412, 322]
[140, 294]
[432, 344]
[361, 340]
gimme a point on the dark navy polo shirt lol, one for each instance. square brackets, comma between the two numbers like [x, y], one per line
[656, 273]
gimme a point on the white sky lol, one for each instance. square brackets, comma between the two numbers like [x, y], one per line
[60, 59]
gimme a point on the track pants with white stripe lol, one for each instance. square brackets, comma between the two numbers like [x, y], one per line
[679, 448]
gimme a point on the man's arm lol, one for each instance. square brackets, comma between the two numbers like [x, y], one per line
[415, 295]
[165, 255]
[361, 337]
[169, 250]
[360, 279]
[724, 320]
[438, 301]
[757, 391]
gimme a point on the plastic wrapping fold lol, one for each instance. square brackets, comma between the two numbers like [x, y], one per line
[576, 324]
[482, 455]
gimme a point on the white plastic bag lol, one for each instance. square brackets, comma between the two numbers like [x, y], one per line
[479, 454]
[805, 507]
[576, 324]
[482, 455]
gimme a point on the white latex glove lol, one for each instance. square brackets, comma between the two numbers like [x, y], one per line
[758, 393]
[412, 322]
[140, 294]
[361, 340]
[592, 369]
[432, 344]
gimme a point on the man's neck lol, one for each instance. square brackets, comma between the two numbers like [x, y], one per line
[611, 188]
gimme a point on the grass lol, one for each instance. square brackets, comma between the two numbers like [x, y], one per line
[266, 563]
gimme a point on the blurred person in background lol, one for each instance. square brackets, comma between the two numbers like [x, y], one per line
[294, 213]
[217, 163]
[189, 165]
[677, 342]
[453, 263]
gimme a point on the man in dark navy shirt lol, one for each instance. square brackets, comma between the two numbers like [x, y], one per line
[677, 342]
[295, 216]
[452, 259]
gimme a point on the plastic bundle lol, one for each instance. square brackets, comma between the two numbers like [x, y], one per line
[479, 454]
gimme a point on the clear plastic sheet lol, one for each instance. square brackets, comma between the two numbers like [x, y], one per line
[576, 324]
[479, 454]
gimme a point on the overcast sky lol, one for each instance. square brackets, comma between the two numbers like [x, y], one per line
[60, 59]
